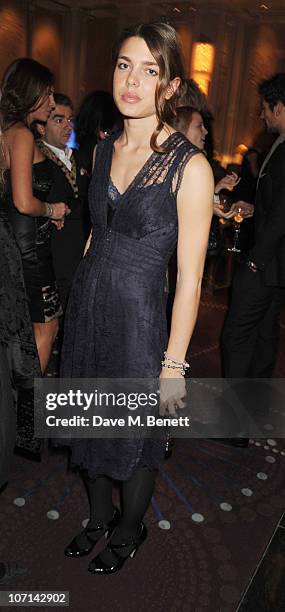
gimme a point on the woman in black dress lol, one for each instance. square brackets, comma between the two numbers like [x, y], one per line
[26, 97]
[149, 186]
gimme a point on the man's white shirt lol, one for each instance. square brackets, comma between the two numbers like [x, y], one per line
[63, 154]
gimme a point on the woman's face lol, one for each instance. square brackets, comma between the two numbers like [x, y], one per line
[197, 131]
[43, 107]
[135, 79]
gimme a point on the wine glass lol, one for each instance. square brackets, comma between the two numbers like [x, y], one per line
[238, 219]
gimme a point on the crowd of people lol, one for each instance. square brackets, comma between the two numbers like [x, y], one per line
[101, 268]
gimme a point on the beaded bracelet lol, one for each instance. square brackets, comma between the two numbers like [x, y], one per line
[174, 367]
[172, 360]
[174, 364]
[49, 210]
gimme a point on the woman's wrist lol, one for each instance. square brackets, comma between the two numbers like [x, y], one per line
[172, 363]
[168, 373]
[48, 210]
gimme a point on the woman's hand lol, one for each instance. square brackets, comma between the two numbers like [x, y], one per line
[227, 182]
[59, 210]
[172, 390]
[58, 224]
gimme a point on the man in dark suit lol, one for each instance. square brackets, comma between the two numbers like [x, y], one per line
[70, 185]
[250, 334]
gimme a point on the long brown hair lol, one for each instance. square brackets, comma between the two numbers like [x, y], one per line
[24, 84]
[162, 41]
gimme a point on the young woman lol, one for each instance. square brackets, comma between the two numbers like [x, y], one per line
[26, 97]
[149, 186]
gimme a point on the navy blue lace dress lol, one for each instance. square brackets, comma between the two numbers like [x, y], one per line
[115, 323]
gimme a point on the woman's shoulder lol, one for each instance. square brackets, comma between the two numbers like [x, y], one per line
[178, 143]
[18, 132]
[196, 168]
[182, 151]
[186, 143]
[17, 128]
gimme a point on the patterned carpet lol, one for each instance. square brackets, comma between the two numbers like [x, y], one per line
[213, 515]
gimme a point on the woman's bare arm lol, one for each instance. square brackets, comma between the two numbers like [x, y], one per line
[21, 148]
[195, 208]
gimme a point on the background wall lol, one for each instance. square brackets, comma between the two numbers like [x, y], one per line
[13, 31]
[76, 45]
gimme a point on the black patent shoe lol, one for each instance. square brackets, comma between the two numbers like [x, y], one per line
[240, 442]
[98, 566]
[74, 550]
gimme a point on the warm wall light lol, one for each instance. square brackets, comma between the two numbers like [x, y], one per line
[239, 153]
[236, 158]
[202, 64]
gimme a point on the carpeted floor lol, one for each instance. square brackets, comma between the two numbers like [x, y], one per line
[214, 513]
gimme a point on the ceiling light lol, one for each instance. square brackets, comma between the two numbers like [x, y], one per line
[264, 7]
[176, 10]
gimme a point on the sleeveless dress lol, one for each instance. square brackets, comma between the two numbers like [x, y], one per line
[115, 323]
[19, 358]
[33, 236]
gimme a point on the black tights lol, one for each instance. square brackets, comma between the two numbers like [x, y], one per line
[136, 495]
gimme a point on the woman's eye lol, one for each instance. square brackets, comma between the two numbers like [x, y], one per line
[123, 66]
[152, 72]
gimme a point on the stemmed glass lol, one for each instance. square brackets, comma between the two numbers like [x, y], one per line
[238, 219]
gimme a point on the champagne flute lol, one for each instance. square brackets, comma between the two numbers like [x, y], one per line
[238, 219]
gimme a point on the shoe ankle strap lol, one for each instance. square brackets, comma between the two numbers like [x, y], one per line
[132, 542]
[122, 545]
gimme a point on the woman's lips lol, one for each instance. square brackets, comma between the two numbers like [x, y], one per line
[130, 99]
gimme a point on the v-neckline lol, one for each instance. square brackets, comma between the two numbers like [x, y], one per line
[141, 170]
